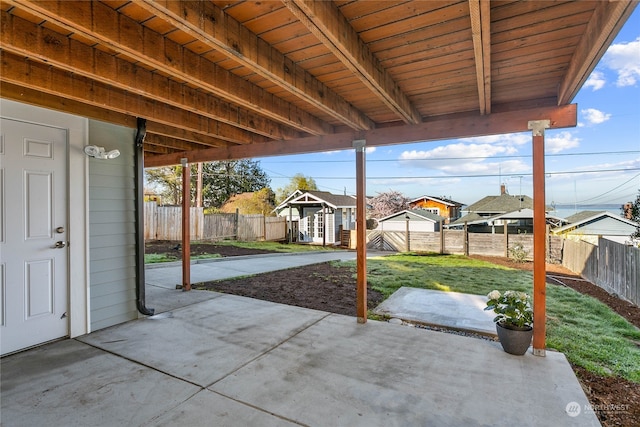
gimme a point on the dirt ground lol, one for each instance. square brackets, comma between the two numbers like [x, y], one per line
[330, 288]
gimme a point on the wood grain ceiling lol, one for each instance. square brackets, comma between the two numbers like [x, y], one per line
[228, 79]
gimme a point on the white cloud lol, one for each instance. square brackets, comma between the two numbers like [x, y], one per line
[594, 116]
[371, 149]
[624, 59]
[560, 142]
[596, 80]
[465, 159]
[509, 139]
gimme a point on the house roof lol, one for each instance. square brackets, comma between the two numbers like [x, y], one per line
[314, 197]
[414, 214]
[229, 79]
[500, 204]
[475, 218]
[598, 223]
[442, 200]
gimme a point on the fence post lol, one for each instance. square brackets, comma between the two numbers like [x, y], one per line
[235, 231]
[264, 227]
[466, 239]
[406, 234]
[441, 237]
[506, 240]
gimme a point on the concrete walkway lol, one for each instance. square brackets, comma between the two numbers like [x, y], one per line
[453, 310]
[234, 361]
[162, 278]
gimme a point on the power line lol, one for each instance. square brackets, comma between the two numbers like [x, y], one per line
[461, 158]
[479, 175]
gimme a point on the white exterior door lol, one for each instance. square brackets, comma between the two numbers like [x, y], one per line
[33, 232]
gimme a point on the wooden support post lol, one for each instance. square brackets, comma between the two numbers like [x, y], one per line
[539, 232]
[186, 225]
[361, 232]
[290, 224]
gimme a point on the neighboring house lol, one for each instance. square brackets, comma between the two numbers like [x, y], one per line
[68, 228]
[415, 219]
[589, 225]
[318, 215]
[449, 209]
[489, 214]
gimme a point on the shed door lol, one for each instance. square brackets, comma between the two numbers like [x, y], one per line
[33, 270]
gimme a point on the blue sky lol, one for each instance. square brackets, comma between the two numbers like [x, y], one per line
[597, 162]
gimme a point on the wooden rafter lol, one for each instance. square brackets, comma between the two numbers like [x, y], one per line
[605, 23]
[442, 128]
[326, 22]
[481, 32]
[221, 32]
[38, 76]
[101, 24]
[75, 57]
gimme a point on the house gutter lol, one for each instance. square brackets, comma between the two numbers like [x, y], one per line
[139, 189]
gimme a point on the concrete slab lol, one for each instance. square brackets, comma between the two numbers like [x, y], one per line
[238, 361]
[453, 310]
[204, 342]
[211, 409]
[163, 299]
[68, 383]
[337, 372]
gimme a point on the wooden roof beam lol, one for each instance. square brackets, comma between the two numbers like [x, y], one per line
[75, 57]
[607, 20]
[460, 126]
[209, 24]
[41, 77]
[481, 33]
[103, 25]
[325, 21]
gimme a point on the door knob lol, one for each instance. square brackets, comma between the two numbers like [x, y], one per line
[60, 244]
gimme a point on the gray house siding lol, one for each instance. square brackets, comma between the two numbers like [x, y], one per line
[605, 226]
[112, 239]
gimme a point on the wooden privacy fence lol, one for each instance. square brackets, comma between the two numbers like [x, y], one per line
[165, 223]
[460, 242]
[613, 266]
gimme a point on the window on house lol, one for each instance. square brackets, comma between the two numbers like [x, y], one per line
[433, 210]
[320, 224]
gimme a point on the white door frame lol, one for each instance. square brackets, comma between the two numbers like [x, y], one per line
[76, 203]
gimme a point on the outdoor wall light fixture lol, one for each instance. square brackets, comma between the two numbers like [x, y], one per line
[100, 153]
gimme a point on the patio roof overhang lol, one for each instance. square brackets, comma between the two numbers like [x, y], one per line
[226, 79]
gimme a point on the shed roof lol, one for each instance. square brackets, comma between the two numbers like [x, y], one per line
[228, 79]
[318, 197]
[413, 214]
[598, 223]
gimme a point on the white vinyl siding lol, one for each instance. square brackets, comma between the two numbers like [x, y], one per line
[112, 240]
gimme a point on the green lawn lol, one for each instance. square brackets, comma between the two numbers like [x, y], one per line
[268, 246]
[588, 332]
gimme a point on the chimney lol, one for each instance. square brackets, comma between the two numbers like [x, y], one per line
[503, 189]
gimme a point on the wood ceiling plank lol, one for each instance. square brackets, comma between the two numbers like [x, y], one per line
[227, 35]
[604, 25]
[326, 22]
[72, 56]
[431, 130]
[104, 25]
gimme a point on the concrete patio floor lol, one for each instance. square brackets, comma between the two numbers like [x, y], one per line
[234, 361]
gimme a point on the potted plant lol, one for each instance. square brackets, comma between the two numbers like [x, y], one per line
[514, 320]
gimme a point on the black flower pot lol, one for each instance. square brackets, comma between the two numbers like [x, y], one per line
[514, 340]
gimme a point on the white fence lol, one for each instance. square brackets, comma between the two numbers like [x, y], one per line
[165, 223]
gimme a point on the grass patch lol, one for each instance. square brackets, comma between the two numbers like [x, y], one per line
[272, 246]
[157, 258]
[588, 332]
